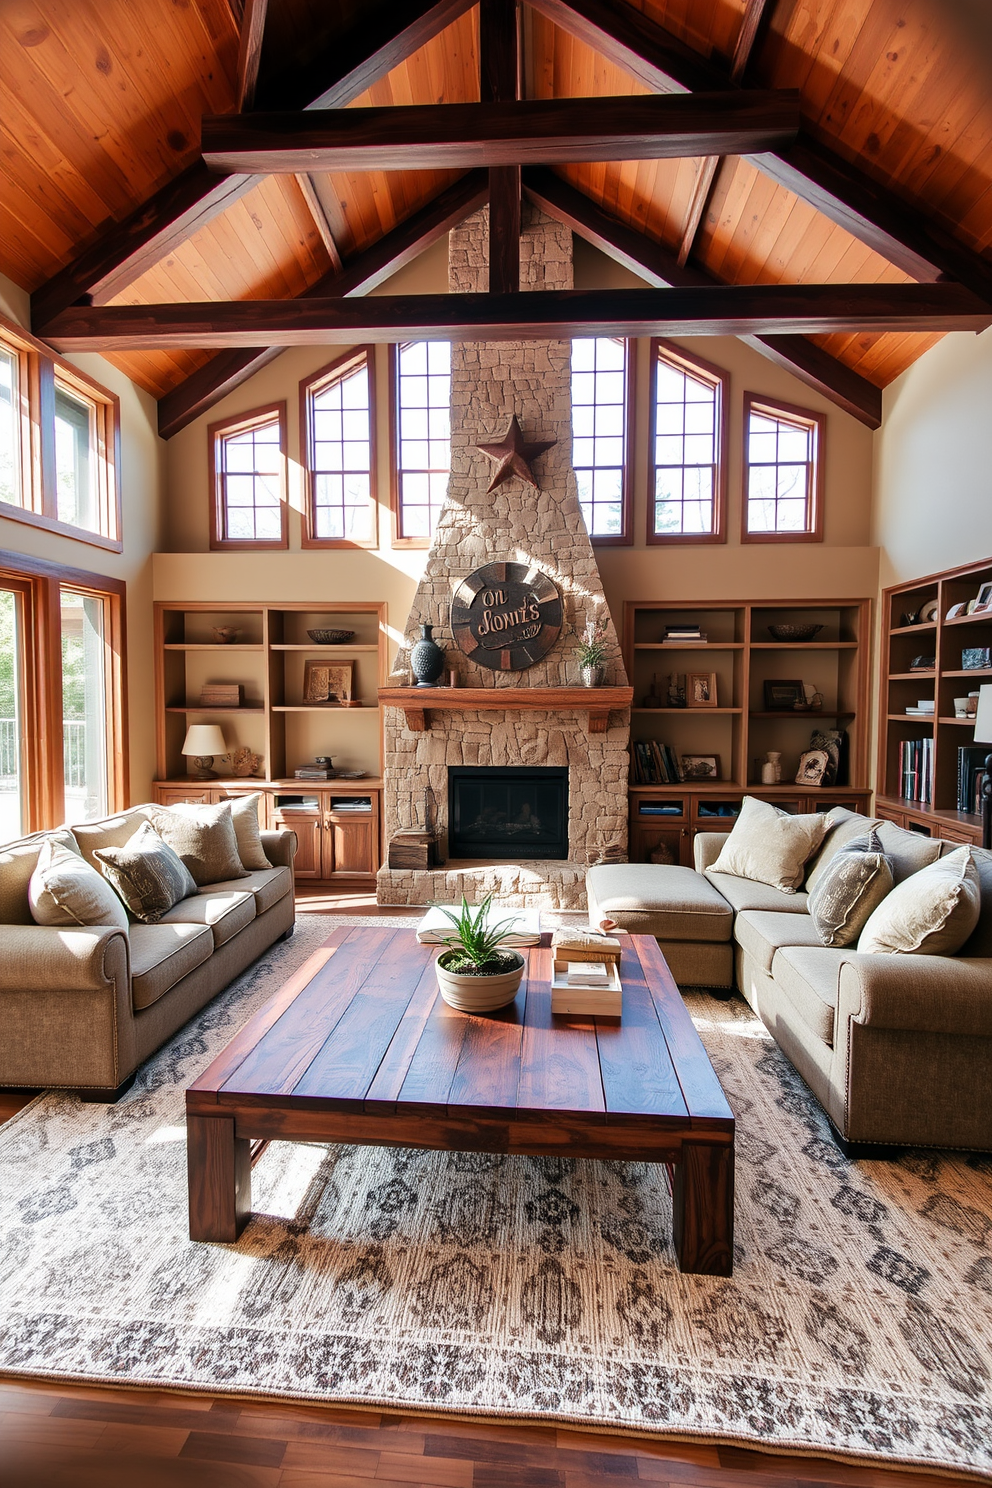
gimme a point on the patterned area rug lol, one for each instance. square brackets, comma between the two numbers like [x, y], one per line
[857, 1321]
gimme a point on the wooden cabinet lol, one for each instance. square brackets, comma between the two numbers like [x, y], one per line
[660, 835]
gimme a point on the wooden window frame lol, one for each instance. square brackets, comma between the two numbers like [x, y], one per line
[397, 540]
[223, 429]
[39, 371]
[776, 408]
[694, 366]
[335, 371]
[41, 584]
[625, 537]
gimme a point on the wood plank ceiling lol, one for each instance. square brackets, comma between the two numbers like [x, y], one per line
[100, 106]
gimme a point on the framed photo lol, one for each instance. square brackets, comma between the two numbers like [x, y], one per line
[956, 610]
[699, 766]
[984, 598]
[813, 766]
[781, 697]
[700, 690]
[328, 683]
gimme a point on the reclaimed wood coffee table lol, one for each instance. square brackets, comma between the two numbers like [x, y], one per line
[359, 1047]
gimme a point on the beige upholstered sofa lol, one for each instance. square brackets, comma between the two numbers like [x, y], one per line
[82, 1007]
[896, 1048]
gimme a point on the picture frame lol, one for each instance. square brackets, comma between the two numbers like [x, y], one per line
[699, 767]
[700, 690]
[956, 611]
[782, 696]
[328, 684]
[984, 601]
[813, 767]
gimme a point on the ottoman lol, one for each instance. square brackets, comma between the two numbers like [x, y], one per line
[690, 918]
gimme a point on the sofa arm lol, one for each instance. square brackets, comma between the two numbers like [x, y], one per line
[917, 994]
[706, 848]
[280, 847]
[46, 958]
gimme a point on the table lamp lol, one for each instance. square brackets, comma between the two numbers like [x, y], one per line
[204, 741]
[983, 735]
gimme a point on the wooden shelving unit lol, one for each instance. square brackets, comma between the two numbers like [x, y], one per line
[944, 638]
[336, 841]
[740, 730]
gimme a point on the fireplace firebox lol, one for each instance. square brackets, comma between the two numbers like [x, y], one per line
[517, 812]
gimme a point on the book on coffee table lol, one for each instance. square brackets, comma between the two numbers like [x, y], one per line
[605, 1001]
[523, 926]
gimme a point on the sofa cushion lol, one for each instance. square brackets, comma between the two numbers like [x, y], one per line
[660, 899]
[760, 933]
[66, 890]
[18, 861]
[907, 852]
[844, 826]
[149, 877]
[269, 885]
[161, 955]
[850, 888]
[244, 814]
[979, 942]
[205, 839]
[933, 912]
[225, 912]
[744, 893]
[110, 831]
[809, 977]
[771, 846]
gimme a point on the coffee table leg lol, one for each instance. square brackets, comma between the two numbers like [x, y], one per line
[703, 1208]
[219, 1172]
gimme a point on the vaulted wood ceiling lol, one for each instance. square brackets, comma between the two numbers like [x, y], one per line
[101, 103]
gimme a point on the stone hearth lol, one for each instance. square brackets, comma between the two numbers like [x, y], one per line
[516, 523]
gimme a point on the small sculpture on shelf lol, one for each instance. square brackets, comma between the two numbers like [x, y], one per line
[771, 770]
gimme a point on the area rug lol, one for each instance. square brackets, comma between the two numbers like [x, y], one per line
[857, 1321]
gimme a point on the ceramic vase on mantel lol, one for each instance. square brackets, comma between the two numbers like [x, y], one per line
[426, 658]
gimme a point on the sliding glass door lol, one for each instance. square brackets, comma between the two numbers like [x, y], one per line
[85, 705]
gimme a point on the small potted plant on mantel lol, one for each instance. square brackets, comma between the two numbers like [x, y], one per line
[475, 974]
[592, 652]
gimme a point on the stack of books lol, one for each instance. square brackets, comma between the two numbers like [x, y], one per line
[314, 772]
[221, 695]
[971, 776]
[590, 989]
[921, 710]
[654, 763]
[684, 635]
[916, 770]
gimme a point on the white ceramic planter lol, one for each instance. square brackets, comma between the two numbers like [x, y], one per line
[480, 994]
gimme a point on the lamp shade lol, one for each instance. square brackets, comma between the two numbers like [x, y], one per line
[983, 718]
[203, 739]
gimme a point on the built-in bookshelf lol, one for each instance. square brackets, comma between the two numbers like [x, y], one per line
[929, 765]
[739, 705]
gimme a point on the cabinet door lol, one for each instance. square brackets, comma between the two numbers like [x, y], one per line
[348, 845]
[309, 835]
[177, 795]
[888, 814]
[651, 844]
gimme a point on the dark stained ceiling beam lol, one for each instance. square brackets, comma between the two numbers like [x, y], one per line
[499, 82]
[810, 363]
[337, 75]
[363, 272]
[461, 135]
[871, 212]
[250, 52]
[717, 310]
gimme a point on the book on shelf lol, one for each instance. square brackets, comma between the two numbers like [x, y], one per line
[916, 770]
[700, 639]
[653, 763]
[971, 765]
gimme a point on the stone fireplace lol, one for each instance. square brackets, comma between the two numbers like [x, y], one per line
[533, 720]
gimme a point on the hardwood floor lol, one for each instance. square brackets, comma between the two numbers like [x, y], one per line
[75, 1436]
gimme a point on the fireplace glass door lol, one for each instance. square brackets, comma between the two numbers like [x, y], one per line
[518, 812]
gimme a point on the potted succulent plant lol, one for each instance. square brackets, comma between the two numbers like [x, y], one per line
[592, 652]
[476, 974]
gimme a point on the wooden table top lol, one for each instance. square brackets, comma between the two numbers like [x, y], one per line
[362, 1027]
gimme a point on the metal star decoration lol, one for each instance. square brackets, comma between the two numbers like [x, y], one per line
[513, 455]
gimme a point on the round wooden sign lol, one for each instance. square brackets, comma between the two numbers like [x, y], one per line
[506, 616]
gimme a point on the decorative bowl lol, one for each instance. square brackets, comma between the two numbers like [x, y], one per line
[794, 632]
[330, 637]
[226, 634]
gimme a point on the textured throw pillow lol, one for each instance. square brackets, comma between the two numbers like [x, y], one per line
[932, 912]
[205, 839]
[65, 890]
[850, 888]
[244, 814]
[770, 846]
[149, 877]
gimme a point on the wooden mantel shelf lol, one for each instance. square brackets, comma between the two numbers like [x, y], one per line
[417, 702]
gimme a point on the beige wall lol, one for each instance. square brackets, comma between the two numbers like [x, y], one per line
[142, 484]
[933, 462]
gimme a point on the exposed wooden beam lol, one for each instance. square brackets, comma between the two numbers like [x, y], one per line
[363, 272]
[755, 15]
[337, 75]
[250, 51]
[717, 310]
[461, 135]
[871, 212]
[320, 222]
[810, 363]
[499, 64]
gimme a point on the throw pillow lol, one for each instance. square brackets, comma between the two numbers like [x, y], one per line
[244, 814]
[65, 890]
[933, 911]
[851, 886]
[770, 846]
[147, 874]
[205, 839]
